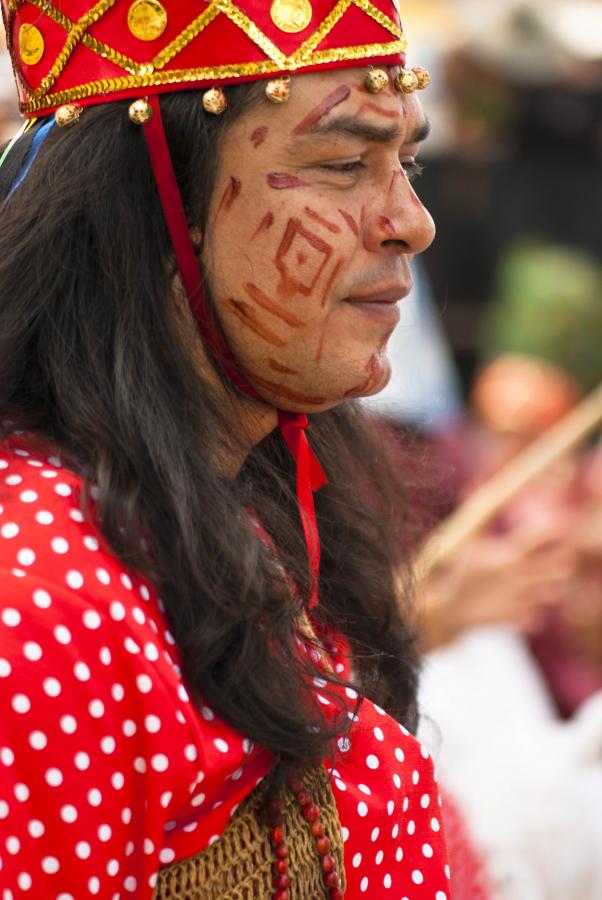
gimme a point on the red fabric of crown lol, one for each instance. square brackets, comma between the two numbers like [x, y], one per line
[74, 50]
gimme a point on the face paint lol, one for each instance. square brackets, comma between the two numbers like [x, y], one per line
[375, 374]
[281, 181]
[286, 393]
[375, 108]
[245, 314]
[230, 194]
[300, 279]
[273, 308]
[259, 135]
[340, 94]
[279, 367]
[266, 222]
[318, 218]
[350, 222]
[386, 224]
[331, 280]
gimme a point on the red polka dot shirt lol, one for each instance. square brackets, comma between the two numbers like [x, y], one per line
[108, 771]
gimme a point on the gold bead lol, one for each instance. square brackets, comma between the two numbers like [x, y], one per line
[140, 112]
[278, 90]
[214, 101]
[291, 16]
[423, 76]
[376, 80]
[31, 44]
[68, 114]
[147, 19]
[407, 81]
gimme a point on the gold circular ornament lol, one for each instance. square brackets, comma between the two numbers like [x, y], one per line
[376, 80]
[406, 81]
[423, 76]
[68, 114]
[31, 44]
[140, 112]
[147, 19]
[214, 101]
[278, 90]
[291, 16]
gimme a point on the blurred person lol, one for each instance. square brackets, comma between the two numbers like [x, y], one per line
[197, 684]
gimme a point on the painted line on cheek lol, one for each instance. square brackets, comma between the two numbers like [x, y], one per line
[270, 306]
[259, 135]
[318, 218]
[350, 221]
[330, 281]
[230, 194]
[245, 314]
[282, 181]
[339, 95]
[286, 393]
[279, 367]
[266, 222]
[374, 107]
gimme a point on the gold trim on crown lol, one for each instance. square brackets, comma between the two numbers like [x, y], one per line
[140, 75]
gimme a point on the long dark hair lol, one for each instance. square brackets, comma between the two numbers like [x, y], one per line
[92, 358]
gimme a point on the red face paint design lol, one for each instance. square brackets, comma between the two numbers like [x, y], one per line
[282, 181]
[286, 393]
[318, 218]
[230, 194]
[397, 174]
[375, 108]
[259, 135]
[279, 367]
[266, 222]
[300, 278]
[375, 372]
[245, 314]
[350, 222]
[274, 309]
[333, 99]
[330, 282]
[386, 224]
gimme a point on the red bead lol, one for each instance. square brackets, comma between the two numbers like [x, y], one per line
[276, 835]
[303, 798]
[310, 812]
[336, 894]
[280, 867]
[281, 882]
[281, 851]
[280, 895]
[323, 845]
[328, 864]
[317, 829]
[332, 880]
[296, 785]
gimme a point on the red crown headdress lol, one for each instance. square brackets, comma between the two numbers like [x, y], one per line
[68, 54]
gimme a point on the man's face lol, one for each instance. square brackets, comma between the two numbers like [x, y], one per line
[312, 228]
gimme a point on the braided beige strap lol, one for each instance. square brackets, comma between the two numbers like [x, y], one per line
[239, 865]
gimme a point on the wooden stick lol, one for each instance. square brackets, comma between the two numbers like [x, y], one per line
[489, 499]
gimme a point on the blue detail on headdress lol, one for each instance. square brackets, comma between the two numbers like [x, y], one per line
[38, 139]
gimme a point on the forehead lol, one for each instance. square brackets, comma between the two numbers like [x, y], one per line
[316, 97]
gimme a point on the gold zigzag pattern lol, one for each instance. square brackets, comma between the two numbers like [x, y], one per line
[149, 73]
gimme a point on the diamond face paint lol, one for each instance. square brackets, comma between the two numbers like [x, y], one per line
[321, 221]
[299, 274]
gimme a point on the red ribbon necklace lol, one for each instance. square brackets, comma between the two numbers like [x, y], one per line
[310, 475]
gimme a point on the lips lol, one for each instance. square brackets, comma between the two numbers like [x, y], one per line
[387, 295]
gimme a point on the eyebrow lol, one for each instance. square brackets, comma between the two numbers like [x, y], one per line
[377, 134]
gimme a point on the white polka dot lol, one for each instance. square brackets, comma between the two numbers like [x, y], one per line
[26, 556]
[447, 871]
[117, 780]
[435, 824]
[53, 776]
[7, 756]
[375, 834]
[104, 654]
[11, 617]
[345, 834]
[94, 885]
[49, 473]
[24, 881]
[91, 619]
[221, 745]
[351, 693]
[104, 833]
[68, 724]
[151, 652]
[144, 683]
[379, 857]
[126, 581]
[190, 752]
[74, 579]
[50, 865]
[131, 646]
[417, 876]
[152, 723]
[198, 799]
[372, 761]
[427, 851]
[396, 780]
[165, 799]
[117, 611]
[103, 576]
[440, 895]
[415, 776]
[76, 514]
[140, 764]
[107, 744]
[356, 861]
[411, 827]
[112, 867]
[82, 761]
[12, 480]
[425, 801]
[20, 703]
[9, 530]
[43, 517]
[387, 881]
[207, 714]
[406, 804]
[399, 755]
[96, 708]
[128, 727]
[55, 461]
[5, 668]
[35, 828]
[32, 651]
[63, 490]
[4, 809]
[28, 497]
[138, 615]
[81, 671]
[399, 854]
[59, 545]
[126, 816]
[364, 885]
[167, 855]
[362, 809]
[94, 797]
[390, 807]
[91, 543]
[395, 831]
[117, 692]
[13, 845]
[159, 762]
[51, 687]
[378, 734]
[41, 598]
[364, 789]
[68, 813]
[83, 849]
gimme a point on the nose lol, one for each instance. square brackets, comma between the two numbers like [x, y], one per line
[398, 222]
